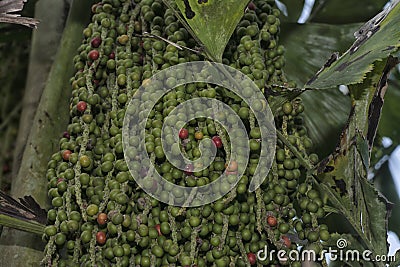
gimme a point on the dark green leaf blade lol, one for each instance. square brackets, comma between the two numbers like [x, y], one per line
[377, 41]
[294, 9]
[302, 61]
[309, 45]
[213, 22]
[326, 11]
[390, 114]
[384, 181]
[343, 175]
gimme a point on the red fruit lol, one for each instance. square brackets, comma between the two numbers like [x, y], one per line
[252, 258]
[66, 154]
[96, 42]
[101, 238]
[251, 6]
[111, 56]
[81, 106]
[286, 240]
[217, 141]
[158, 228]
[183, 133]
[93, 55]
[66, 135]
[189, 169]
[102, 218]
[271, 220]
[232, 166]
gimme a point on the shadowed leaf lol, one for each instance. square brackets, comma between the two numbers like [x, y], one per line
[326, 11]
[357, 199]
[318, 41]
[377, 39]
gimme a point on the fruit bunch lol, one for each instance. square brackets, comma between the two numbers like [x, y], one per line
[101, 217]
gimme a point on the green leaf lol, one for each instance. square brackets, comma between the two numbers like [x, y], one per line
[309, 45]
[327, 110]
[384, 182]
[377, 41]
[343, 175]
[294, 9]
[325, 116]
[213, 22]
[326, 11]
[391, 114]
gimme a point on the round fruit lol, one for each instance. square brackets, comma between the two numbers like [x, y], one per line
[101, 238]
[252, 258]
[198, 135]
[81, 106]
[93, 55]
[272, 221]
[286, 240]
[183, 133]
[66, 154]
[92, 209]
[102, 218]
[189, 169]
[217, 141]
[232, 166]
[96, 41]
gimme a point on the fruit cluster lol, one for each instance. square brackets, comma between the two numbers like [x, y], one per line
[99, 215]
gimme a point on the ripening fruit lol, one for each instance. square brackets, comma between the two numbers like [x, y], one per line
[272, 221]
[66, 135]
[251, 6]
[183, 133]
[232, 166]
[158, 228]
[66, 154]
[217, 141]
[96, 41]
[252, 258]
[198, 135]
[101, 238]
[102, 218]
[81, 106]
[189, 169]
[93, 55]
[286, 240]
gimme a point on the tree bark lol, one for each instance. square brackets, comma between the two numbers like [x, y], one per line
[45, 42]
[51, 118]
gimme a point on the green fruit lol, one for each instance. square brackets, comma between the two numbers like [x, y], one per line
[50, 230]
